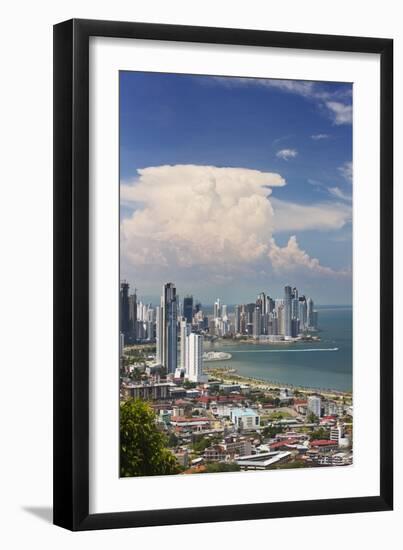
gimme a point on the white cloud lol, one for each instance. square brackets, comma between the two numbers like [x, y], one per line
[286, 154]
[324, 216]
[317, 137]
[210, 222]
[300, 87]
[342, 113]
[292, 258]
[346, 171]
[192, 215]
[335, 103]
[339, 193]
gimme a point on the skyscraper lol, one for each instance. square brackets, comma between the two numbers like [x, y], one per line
[270, 304]
[133, 316]
[217, 309]
[194, 367]
[261, 302]
[158, 334]
[188, 309]
[287, 312]
[238, 319]
[124, 308]
[184, 333]
[310, 315]
[257, 322]
[169, 329]
[302, 312]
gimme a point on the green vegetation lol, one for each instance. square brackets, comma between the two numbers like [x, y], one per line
[320, 433]
[311, 418]
[172, 440]
[189, 385]
[216, 467]
[143, 449]
[201, 443]
[288, 465]
[279, 415]
[272, 431]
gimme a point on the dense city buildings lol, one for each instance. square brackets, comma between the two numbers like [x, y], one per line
[213, 418]
[268, 319]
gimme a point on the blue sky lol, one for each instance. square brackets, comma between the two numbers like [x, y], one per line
[300, 132]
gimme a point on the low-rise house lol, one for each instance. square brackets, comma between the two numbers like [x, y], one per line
[229, 388]
[301, 406]
[245, 419]
[195, 422]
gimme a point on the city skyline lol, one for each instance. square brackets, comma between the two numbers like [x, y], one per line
[235, 222]
[253, 187]
[174, 318]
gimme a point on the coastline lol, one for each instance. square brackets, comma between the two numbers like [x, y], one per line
[233, 377]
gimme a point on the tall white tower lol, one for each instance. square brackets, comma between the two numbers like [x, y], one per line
[194, 368]
[310, 316]
[184, 333]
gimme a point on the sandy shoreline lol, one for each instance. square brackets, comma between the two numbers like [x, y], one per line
[234, 377]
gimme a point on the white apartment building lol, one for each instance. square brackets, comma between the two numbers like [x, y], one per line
[194, 363]
[314, 405]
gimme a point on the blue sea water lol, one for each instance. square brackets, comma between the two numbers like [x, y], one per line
[326, 364]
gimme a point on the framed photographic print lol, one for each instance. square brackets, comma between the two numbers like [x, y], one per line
[223, 307]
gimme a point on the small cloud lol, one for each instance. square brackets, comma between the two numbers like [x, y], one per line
[319, 186]
[317, 137]
[346, 170]
[338, 193]
[341, 113]
[286, 154]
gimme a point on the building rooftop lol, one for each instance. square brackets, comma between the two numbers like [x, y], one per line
[323, 442]
[262, 459]
[244, 412]
[190, 419]
[279, 444]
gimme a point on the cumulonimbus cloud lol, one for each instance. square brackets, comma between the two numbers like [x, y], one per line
[206, 217]
[324, 216]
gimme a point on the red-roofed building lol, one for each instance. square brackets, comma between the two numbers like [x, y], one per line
[278, 445]
[324, 444]
[300, 405]
[205, 400]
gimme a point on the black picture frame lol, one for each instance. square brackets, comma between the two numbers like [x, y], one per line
[71, 274]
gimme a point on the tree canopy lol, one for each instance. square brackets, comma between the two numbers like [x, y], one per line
[143, 449]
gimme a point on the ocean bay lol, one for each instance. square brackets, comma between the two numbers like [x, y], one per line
[326, 364]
